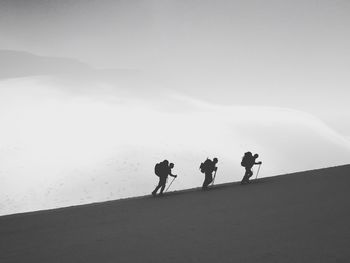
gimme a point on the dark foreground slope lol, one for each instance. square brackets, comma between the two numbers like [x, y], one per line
[302, 217]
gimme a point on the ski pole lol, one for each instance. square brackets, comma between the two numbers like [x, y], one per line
[170, 184]
[257, 172]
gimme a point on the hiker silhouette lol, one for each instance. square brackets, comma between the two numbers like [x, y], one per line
[208, 167]
[162, 170]
[248, 161]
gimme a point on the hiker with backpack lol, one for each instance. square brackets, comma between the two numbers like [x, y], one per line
[162, 170]
[208, 167]
[248, 161]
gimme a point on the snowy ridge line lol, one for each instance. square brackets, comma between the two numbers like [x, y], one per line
[176, 192]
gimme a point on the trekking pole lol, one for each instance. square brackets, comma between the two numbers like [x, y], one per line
[170, 184]
[257, 172]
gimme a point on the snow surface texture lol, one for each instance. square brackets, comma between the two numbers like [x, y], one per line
[300, 217]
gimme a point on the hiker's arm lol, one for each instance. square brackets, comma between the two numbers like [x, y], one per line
[258, 163]
[173, 175]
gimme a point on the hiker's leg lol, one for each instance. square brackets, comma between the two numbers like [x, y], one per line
[158, 186]
[204, 184]
[250, 173]
[208, 180]
[162, 189]
[246, 176]
[205, 181]
[163, 183]
[156, 189]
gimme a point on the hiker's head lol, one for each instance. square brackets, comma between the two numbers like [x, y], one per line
[215, 160]
[171, 165]
[256, 155]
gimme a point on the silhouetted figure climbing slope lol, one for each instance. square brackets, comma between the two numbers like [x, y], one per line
[248, 162]
[208, 167]
[162, 170]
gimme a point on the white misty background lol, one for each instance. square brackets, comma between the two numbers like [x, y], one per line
[93, 94]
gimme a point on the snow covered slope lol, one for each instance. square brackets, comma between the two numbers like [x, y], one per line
[301, 217]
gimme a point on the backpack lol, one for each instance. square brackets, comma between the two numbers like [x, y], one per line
[204, 166]
[246, 159]
[158, 169]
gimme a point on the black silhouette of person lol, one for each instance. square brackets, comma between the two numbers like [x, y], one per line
[208, 167]
[248, 162]
[163, 170]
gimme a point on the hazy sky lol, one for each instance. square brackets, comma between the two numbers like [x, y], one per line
[284, 53]
[85, 84]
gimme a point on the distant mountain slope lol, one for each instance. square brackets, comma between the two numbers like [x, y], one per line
[302, 217]
[15, 64]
